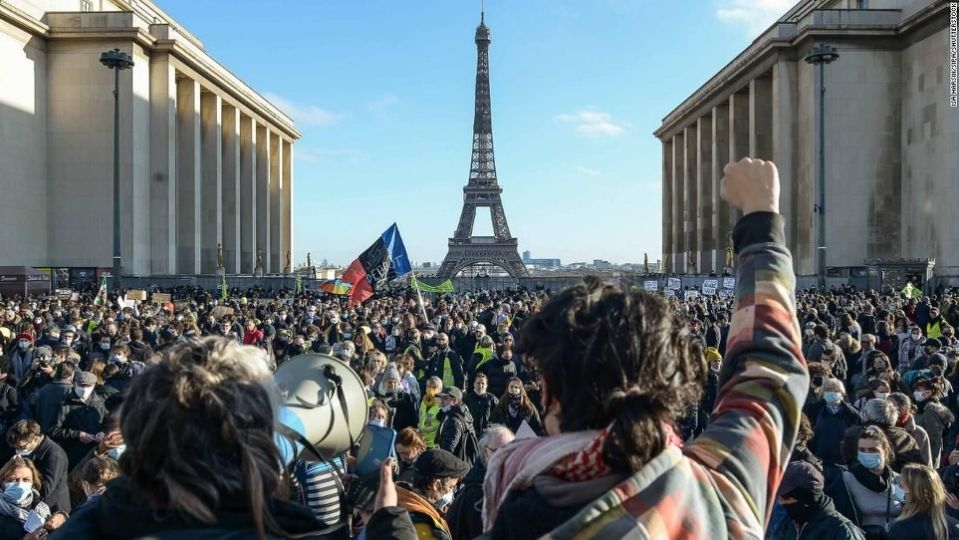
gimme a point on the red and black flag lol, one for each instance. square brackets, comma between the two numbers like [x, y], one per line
[382, 262]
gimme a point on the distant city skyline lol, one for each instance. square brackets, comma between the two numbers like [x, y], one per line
[383, 94]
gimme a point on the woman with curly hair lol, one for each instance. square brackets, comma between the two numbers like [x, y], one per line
[21, 496]
[620, 368]
[515, 407]
[201, 460]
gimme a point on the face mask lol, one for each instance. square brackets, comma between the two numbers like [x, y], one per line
[446, 408]
[68, 341]
[809, 333]
[458, 326]
[83, 392]
[115, 453]
[832, 397]
[444, 501]
[104, 346]
[347, 335]
[118, 359]
[881, 395]
[870, 460]
[17, 491]
[378, 422]
[800, 512]
[515, 396]
[920, 396]
[396, 333]
[55, 337]
[916, 337]
[714, 366]
[24, 345]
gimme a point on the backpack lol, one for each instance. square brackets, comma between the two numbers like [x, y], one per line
[469, 448]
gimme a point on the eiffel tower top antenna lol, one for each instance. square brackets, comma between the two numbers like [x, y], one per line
[482, 11]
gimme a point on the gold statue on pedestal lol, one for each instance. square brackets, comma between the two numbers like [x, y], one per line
[730, 256]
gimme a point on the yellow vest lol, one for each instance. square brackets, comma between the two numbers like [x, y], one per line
[933, 331]
[429, 424]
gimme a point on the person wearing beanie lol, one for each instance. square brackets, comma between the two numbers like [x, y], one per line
[401, 402]
[810, 509]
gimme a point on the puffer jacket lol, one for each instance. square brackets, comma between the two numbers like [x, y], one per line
[935, 418]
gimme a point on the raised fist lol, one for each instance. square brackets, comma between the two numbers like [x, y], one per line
[752, 185]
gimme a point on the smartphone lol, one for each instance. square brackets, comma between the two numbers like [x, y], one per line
[376, 446]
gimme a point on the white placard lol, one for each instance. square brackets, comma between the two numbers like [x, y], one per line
[691, 294]
[675, 283]
[651, 285]
[709, 290]
[712, 283]
[729, 282]
[669, 292]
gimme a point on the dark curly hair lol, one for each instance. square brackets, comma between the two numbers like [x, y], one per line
[199, 431]
[619, 359]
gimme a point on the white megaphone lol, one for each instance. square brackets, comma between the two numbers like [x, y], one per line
[322, 399]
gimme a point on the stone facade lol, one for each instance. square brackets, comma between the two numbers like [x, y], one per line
[892, 142]
[204, 159]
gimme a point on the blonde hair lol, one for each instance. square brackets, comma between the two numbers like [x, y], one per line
[17, 462]
[927, 496]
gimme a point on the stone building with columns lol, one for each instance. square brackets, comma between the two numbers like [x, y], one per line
[205, 161]
[891, 139]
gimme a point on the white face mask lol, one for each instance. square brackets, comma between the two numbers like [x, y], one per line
[83, 392]
[881, 395]
[444, 501]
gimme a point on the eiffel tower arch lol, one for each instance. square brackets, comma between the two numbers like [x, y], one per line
[482, 189]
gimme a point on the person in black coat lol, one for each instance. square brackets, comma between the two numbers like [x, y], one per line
[446, 364]
[401, 403]
[47, 401]
[924, 511]
[79, 425]
[456, 424]
[811, 510]
[26, 439]
[500, 369]
[515, 407]
[227, 433]
[480, 403]
[830, 418]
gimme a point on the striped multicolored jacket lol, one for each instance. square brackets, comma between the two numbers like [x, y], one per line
[722, 485]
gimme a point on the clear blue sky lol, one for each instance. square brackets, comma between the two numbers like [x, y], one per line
[382, 91]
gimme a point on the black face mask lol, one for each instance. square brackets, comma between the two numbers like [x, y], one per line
[800, 512]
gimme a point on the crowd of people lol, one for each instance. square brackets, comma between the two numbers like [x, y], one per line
[592, 412]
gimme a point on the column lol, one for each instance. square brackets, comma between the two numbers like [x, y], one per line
[721, 214]
[677, 264]
[248, 239]
[163, 165]
[784, 125]
[761, 117]
[738, 134]
[262, 194]
[704, 175]
[287, 192]
[668, 247]
[277, 257]
[188, 177]
[691, 202]
[231, 189]
[211, 202]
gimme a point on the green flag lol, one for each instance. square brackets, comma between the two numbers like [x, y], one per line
[911, 292]
[445, 287]
[101, 299]
[224, 290]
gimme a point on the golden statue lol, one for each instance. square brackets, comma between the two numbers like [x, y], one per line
[730, 256]
[219, 256]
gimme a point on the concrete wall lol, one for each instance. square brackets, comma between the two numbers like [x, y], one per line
[930, 155]
[23, 147]
[862, 156]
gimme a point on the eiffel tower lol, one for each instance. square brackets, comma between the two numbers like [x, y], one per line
[482, 190]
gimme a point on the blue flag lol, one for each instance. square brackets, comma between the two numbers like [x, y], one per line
[399, 260]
